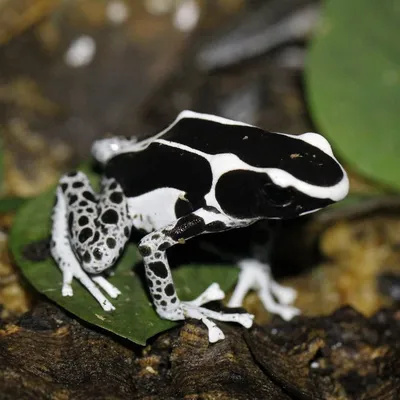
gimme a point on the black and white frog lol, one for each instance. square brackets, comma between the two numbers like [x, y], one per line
[202, 174]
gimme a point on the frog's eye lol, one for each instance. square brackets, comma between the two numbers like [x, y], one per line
[277, 196]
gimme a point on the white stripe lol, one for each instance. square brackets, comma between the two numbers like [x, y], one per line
[222, 163]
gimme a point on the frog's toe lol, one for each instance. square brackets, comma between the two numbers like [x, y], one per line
[284, 294]
[67, 290]
[215, 334]
[107, 306]
[212, 293]
[204, 314]
[110, 289]
[287, 312]
[246, 320]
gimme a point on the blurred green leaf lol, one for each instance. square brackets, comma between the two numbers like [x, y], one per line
[353, 84]
[9, 204]
[134, 317]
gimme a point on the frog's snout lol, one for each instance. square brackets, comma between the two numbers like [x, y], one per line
[104, 149]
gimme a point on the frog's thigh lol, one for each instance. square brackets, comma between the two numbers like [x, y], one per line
[64, 255]
[99, 225]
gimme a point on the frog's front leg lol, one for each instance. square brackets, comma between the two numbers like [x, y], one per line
[255, 275]
[153, 249]
[89, 233]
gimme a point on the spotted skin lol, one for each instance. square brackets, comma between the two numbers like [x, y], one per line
[97, 224]
[202, 174]
[85, 236]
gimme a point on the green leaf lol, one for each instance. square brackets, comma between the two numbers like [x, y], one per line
[134, 317]
[353, 84]
[9, 204]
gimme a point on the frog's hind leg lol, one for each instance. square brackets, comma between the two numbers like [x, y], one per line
[89, 233]
[255, 275]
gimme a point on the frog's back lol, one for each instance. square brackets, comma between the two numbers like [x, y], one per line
[162, 179]
[213, 135]
[202, 159]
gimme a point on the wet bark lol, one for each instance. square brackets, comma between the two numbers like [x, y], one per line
[48, 354]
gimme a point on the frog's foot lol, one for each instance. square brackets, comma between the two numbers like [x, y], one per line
[193, 309]
[257, 276]
[110, 289]
[73, 270]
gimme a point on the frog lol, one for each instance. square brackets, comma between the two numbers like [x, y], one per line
[202, 174]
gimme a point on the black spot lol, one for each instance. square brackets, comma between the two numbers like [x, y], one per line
[164, 246]
[155, 236]
[149, 283]
[95, 237]
[83, 203]
[127, 232]
[116, 197]
[163, 303]
[111, 243]
[159, 290]
[157, 296]
[72, 174]
[84, 235]
[159, 269]
[90, 210]
[187, 227]
[64, 187]
[174, 172]
[144, 250]
[215, 226]
[113, 186]
[89, 196]
[86, 257]
[249, 194]
[173, 300]
[169, 289]
[183, 207]
[110, 217]
[158, 282]
[82, 221]
[157, 254]
[70, 220]
[77, 185]
[97, 254]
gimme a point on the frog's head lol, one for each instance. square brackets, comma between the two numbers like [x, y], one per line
[303, 176]
[307, 180]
